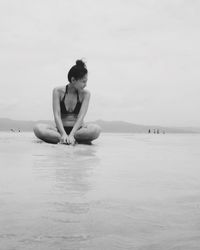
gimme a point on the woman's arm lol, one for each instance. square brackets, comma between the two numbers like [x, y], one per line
[57, 113]
[82, 113]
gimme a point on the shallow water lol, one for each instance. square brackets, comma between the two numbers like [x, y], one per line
[126, 191]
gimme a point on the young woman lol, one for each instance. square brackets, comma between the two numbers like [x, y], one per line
[70, 105]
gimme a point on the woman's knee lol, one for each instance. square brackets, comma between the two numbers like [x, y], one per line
[95, 130]
[89, 132]
[46, 133]
[42, 130]
[38, 130]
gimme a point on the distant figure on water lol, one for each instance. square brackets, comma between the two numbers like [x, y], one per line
[70, 105]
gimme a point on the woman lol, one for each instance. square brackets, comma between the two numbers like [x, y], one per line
[70, 105]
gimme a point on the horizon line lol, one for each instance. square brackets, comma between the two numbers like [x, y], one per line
[151, 125]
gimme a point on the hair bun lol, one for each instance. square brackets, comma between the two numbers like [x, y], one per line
[80, 63]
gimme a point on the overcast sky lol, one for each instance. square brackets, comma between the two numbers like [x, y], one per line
[143, 58]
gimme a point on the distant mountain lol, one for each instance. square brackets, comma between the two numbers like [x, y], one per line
[16, 125]
[126, 127]
[107, 126]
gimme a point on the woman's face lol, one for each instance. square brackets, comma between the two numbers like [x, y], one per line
[80, 84]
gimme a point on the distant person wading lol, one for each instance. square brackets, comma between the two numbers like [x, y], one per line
[70, 105]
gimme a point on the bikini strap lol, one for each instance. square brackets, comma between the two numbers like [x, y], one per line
[77, 96]
[66, 90]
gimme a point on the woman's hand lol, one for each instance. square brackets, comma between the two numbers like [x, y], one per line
[64, 139]
[67, 139]
[71, 140]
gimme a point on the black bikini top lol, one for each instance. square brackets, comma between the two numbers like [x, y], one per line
[63, 108]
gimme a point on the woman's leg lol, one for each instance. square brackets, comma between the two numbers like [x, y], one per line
[87, 133]
[47, 133]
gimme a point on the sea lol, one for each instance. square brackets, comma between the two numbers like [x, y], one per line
[123, 192]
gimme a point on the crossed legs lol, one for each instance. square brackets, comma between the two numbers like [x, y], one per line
[50, 134]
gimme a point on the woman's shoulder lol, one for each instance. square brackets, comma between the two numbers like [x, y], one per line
[86, 92]
[59, 89]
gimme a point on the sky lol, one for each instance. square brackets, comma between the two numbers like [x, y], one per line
[143, 58]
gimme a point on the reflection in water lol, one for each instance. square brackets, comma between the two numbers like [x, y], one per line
[64, 176]
[67, 170]
[123, 193]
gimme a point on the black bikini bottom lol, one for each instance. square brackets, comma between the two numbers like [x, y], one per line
[68, 130]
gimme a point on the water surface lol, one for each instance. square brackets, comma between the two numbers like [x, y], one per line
[126, 191]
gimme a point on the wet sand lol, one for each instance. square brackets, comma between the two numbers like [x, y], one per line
[123, 192]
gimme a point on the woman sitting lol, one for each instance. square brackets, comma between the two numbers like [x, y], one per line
[70, 105]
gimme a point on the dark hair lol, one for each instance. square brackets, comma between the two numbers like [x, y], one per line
[78, 71]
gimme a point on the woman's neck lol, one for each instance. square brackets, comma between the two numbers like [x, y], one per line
[71, 88]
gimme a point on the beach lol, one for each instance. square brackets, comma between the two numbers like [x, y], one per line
[125, 191]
